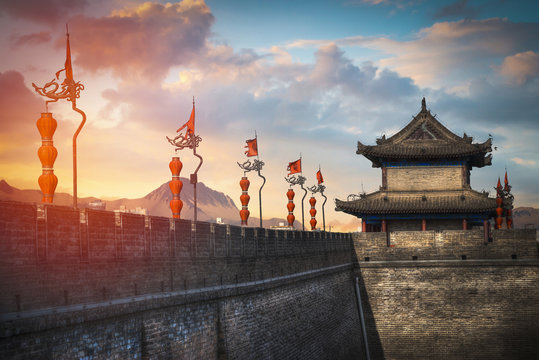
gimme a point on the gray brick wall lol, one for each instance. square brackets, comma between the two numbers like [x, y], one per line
[419, 178]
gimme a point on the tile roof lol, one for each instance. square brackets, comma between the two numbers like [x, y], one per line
[425, 138]
[418, 202]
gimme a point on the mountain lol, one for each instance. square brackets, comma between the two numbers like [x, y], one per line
[8, 192]
[526, 217]
[212, 204]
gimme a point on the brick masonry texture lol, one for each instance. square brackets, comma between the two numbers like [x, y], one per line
[469, 310]
[424, 178]
[99, 285]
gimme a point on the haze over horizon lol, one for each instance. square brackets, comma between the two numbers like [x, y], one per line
[309, 77]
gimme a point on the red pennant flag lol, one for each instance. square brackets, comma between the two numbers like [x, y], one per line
[319, 177]
[189, 124]
[67, 66]
[294, 167]
[252, 148]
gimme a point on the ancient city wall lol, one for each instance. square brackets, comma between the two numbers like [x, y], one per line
[101, 285]
[448, 295]
[445, 245]
[425, 178]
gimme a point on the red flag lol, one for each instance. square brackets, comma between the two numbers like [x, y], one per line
[294, 167]
[67, 66]
[189, 124]
[319, 177]
[252, 148]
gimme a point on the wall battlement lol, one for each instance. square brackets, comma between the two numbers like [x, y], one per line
[445, 245]
[96, 284]
[57, 256]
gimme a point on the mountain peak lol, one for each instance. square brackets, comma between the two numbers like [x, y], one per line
[5, 187]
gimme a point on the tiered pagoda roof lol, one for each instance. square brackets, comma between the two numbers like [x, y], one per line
[419, 202]
[426, 139]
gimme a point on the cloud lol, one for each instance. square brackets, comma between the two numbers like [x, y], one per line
[20, 106]
[50, 11]
[449, 53]
[520, 68]
[141, 43]
[459, 8]
[397, 3]
[31, 39]
[524, 162]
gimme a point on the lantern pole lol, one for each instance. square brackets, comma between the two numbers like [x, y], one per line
[194, 176]
[320, 188]
[69, 90]
[263, 183]
[299, 180]
[191, 141]
[323, 204]
[257, 166]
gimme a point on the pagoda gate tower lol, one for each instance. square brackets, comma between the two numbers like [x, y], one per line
[425, 180]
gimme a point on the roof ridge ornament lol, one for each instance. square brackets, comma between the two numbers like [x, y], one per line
[423, 105]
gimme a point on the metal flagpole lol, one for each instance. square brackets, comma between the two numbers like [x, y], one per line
[191, 141]
[260, 175]
[194, 176]
[303, 198]
[323, 204]
[320, 188]
[69, 90]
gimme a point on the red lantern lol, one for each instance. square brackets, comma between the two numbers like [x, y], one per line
[290, 206]
[244, 215]
[244, 198]
[175, 166]
[47, 154]
[175, 186]
[290, 218]
[312, 201]
[244, 183]
[290, 194]
[46, 125]
[499, 203]
[509, 218]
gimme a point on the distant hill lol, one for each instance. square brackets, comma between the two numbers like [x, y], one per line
[526, 217]
[212, 204]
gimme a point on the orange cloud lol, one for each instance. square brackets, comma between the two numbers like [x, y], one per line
[31, 39]
[18, 103]
[142, 42]
[50, 11]
[520, 67]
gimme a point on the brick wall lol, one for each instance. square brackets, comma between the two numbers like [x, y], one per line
[446, 245]
[70, 257]
[424, 178]
[98, 285]
[452, 310]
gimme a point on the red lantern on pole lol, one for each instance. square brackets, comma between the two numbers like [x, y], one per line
[244, 198]
[313, 221]
[176, 186]
[47, 153]
[290, 206]
[499, 203]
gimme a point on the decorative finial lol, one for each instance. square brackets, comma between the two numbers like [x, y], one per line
[423, 105]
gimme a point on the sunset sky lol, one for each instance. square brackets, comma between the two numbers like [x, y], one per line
[311, 77]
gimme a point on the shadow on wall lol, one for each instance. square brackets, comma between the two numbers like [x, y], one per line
[371, 342]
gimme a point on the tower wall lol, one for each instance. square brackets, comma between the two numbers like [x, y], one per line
[418, 178]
